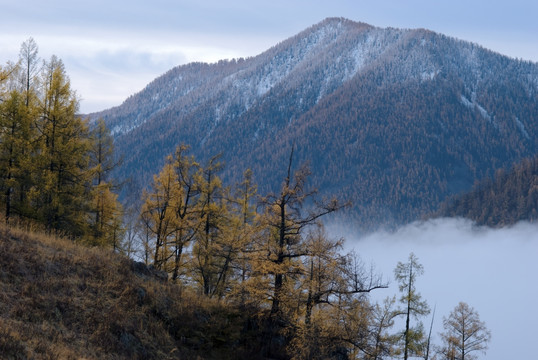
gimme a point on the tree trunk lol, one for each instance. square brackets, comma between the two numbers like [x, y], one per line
[406, 348]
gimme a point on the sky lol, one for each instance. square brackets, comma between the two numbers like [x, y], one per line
[493, 271]
[112, 49]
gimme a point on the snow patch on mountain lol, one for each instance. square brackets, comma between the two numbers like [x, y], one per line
[473, 105]
[466, 102]
[483, 112]
[521, 128]
[429, 75]
[304, 69]
[123, 129]
[359, 55]
[301, 54]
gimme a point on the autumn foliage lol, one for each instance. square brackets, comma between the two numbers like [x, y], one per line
[54, 166]
[223, 273]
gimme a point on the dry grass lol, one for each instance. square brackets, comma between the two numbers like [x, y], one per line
[59, 300]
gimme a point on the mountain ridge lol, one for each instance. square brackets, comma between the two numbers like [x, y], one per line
[350, 81]
[511, 196]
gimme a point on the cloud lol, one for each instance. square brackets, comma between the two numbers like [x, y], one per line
[160, 34]
[131, 61]
[106, 76]
[492, 270]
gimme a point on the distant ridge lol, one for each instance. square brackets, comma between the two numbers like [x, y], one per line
[510, 197]
[393, 120]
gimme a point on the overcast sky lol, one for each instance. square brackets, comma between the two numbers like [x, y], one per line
[112, 49]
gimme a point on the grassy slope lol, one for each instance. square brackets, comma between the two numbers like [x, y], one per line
[63, 301]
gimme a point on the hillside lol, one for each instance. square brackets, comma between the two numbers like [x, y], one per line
[395, 120]
[63, 301]
[510, 197]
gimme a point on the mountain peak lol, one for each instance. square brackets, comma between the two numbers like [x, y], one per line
[394, 119]
[341, 21]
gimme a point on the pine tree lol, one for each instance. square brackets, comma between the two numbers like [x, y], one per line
[464, 334]
[244, 232]
[15, 143]
[29, 70]
[157, 212]
[18, 111]
[212, 249]
[186, 206]
[60, 195]
[105, 213]
[285, 220]
[414, 307]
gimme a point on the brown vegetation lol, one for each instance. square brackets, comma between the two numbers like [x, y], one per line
[59, 300]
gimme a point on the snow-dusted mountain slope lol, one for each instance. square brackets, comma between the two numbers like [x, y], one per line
[395, 120]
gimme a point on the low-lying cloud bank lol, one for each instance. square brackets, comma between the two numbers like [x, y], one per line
[493, 270]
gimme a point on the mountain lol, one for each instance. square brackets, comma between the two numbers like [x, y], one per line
[509, 197]
[394, 120]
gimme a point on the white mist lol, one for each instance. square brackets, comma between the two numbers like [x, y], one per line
[493, 270]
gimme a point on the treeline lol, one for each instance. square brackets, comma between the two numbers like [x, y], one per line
[54, 167]
[511, 196]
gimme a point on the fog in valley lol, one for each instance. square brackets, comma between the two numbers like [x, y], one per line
[492, 270]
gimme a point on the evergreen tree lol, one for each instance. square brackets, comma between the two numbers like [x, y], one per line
[212, 249]
[28, 70]
[187, 206]
[414, 307]
[381, 320]
[282, 248]
[285, 220]
[464, 334]
[244, 232]
[60, 194]
[15, 142]
[105, 218]
[157, 212]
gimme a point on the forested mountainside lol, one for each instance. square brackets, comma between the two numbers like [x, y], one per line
[393, 120]
[510, 197]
